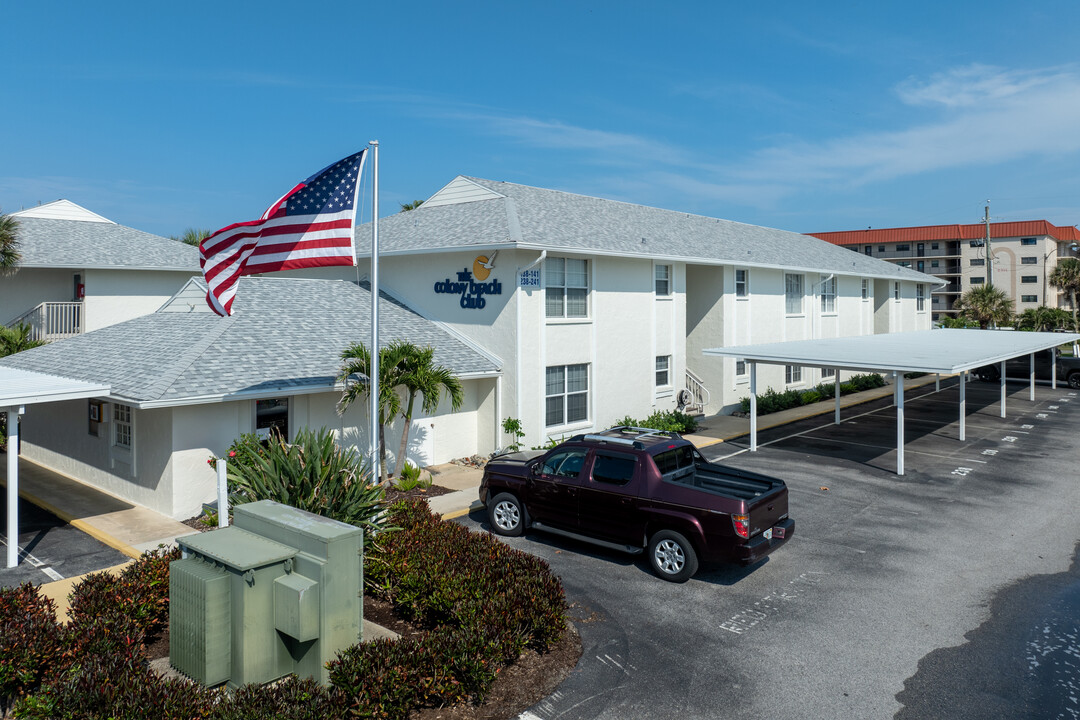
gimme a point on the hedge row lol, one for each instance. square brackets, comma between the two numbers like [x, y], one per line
[772, 401]
[482, 603]
[665, 420]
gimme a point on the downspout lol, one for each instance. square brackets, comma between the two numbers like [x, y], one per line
[517, 355]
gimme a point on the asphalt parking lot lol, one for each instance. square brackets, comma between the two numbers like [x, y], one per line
[51, 549]
[949, 592]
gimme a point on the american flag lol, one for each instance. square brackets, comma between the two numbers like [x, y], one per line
[310, 226]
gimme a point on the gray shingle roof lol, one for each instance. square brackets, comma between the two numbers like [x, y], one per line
[75, 244]
[554, 220]
[284, 333]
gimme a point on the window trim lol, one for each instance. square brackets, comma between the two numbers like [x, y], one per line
[866, 289]
[828, 298]
[657, 280]
[123, 453]
[920, 297]
[896, 291]
[745, 283]
[789, 296]
[667, 372]
[565, 395]
[793, 375]
[564, 287]
[1029, 279]
[1034, 298]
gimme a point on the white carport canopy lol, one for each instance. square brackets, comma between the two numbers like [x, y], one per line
[19, 388]
[943, 352]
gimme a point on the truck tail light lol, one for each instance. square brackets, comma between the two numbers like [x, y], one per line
[741, 523]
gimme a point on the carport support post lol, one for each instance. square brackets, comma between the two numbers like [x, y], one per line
[1031, 389]
[937, 382]
[1002, 388]
[753, 406]
[898, 391]
[222, 493]
[836, 395]
[963, 403]
[1053, 369]
[13, 414]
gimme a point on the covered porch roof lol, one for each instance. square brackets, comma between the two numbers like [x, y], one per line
[19, 388]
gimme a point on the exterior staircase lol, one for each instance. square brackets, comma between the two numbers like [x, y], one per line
[696, 395]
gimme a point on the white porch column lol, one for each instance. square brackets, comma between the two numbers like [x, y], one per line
[1031, 380]
[836, 396]
[753, 406]
[1002, 388]
[963, 403]
[898, 380]
[13, 414]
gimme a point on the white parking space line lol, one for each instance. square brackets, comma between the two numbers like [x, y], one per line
[907, 449]
[34, 562]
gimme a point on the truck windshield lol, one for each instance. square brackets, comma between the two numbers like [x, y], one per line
[675, 459]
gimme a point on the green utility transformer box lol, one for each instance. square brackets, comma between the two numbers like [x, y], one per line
[278, 592]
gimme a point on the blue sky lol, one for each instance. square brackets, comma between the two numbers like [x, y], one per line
[803, 116]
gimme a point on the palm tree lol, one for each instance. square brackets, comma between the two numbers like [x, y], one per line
[421, 376]
[406, 207]
[357, 361]
[191, 236]
[9, 245]
[16, 339]
[1038, 319]
[1066, 276]
[986, 305]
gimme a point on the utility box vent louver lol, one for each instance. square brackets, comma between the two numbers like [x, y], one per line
[278, 592]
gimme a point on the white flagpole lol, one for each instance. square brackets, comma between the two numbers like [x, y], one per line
[373, 379]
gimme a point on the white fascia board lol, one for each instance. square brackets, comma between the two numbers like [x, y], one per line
[134, 268]
[690, 260]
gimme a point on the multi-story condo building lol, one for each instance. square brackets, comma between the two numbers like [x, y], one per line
[1018, 258]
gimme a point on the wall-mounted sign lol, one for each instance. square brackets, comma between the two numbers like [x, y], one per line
[529, 279]
[472, 292]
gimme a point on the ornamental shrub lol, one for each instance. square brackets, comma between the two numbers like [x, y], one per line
[30, 641]
[663, 420]
[311, 473]
[771, 401]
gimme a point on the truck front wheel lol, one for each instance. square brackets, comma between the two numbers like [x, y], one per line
[506, 515]
[1074, 380]
[672, 556]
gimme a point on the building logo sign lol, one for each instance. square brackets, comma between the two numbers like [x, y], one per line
[471, 291]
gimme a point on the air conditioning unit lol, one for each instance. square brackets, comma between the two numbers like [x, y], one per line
[277, 592]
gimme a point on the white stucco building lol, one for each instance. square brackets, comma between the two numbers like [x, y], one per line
[564, 311]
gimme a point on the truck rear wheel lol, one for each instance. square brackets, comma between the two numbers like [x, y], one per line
[1074, 380]
[672, 556]
[506, 515]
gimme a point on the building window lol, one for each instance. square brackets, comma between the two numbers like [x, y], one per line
[1029, 298]
[920, 297]
[828, 296]
[881, 248]
[272, 416]
[978, 280]
[868, 250]
[663, 377]
[793, 294]
[742, 283]
[865, 289]
[740, 367]
[123, 431]
[792, 374]
[904, 263]
[903, 248]
[896, 291]
[1029, 278]
[567, 288]
[1027, 241]
[567, 394]
[828, 373]
[977, 262]
[933, 246]
[1029, 261]
[662, 279]
[933, 263]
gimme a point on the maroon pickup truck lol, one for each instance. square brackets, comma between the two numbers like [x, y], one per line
[635, 489]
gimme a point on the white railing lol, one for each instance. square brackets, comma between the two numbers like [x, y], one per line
[51, 321]
[698, 393]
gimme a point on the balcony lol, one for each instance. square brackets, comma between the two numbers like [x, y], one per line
[950, 289]
[52, 321]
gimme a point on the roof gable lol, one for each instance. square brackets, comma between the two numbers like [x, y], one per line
[62, 210]
[460, 190]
